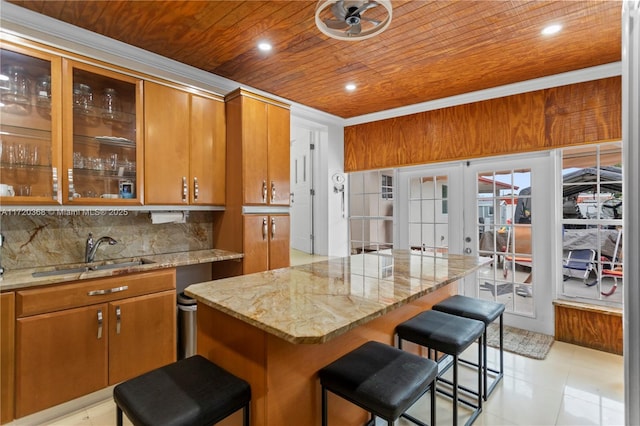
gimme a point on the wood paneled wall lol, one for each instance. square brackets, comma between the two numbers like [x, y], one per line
[580, 113]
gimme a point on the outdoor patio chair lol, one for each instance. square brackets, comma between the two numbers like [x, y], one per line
[614, 269]
[579, 264]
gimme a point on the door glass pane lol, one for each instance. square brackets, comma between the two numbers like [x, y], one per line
[104, 136]
[431, 237]
[371, 211]
[504, 225]
[25, 129]
[592, 261]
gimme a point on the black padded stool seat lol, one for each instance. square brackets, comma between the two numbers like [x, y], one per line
[486, 311]
[451, 335]
[381, 379]
[192, 391]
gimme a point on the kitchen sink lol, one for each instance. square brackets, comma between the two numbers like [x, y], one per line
[96, 266]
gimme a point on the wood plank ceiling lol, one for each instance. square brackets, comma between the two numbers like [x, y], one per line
[431, 50]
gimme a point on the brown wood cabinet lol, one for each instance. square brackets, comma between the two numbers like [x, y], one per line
[258, 143]
[257, 185]
[266, 242]
[185, 147]
[66, 347]
[7, 356]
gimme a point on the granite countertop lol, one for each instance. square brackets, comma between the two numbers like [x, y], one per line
[22, 278]
[315, 302]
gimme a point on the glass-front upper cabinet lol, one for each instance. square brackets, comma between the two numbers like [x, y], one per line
[102, 136]
[30, 126]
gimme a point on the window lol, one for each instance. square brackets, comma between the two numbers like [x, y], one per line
[371, 211]
[591, 201]
[387, 187]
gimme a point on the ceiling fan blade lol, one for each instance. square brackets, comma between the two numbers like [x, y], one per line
[334, 24]
[354, 30]
[373, 21]
[339, 10]
[365, 6]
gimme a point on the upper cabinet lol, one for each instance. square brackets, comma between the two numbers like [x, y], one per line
[30, 126]
[185, 147]
[69, 131]
[102, 148]
[258, 144]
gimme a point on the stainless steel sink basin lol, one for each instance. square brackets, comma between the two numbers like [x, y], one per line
[116, 264]
[99, 266]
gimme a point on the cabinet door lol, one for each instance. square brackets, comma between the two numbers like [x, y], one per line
[102, 145]
[166, 157]
[208, 151]
[7, 356]
[279, 241]
[30, 147]
[60, 356]
[279, 153]
[256, 244]
[254, 151]
[142, 335]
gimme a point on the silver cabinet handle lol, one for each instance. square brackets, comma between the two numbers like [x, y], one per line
[185, 189]
[118, 318]
[264, 228]
[273, 191]
[71, 187]
[264, 191]
[195, 189]
[99, 323]
[273, 228]
[54, 175]
[107, 291]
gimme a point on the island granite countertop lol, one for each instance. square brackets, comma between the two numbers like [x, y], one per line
[22, 278]
[316, 302]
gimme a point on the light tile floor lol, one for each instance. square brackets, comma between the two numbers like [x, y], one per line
[572, 386]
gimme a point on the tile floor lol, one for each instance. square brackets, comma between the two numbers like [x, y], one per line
[572, 386]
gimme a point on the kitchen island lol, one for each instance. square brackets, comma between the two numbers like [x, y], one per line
[276, 329]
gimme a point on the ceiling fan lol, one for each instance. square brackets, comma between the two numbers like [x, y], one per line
[346, 20]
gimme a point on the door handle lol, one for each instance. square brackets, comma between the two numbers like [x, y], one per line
[264, 191]
[264, 228]
[99, 323]
[185, 189]
[273, 191]
[273, 228]
[118, 319]
[196, 189]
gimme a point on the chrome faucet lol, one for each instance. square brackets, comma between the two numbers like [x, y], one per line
[91, 247]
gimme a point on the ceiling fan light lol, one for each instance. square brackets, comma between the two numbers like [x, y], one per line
[265, 46]
[349, 34]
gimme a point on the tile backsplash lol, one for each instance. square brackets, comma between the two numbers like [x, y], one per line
[55, 239]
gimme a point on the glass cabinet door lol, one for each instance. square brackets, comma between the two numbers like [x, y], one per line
[29, 126]
[102, 150]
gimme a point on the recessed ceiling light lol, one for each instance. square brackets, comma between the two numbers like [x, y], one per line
[551, 29]
[264, 46]
[350, 87]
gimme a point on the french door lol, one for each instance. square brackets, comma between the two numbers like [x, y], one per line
[505, 207]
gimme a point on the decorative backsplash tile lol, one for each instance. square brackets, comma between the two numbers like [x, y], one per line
[55, 238]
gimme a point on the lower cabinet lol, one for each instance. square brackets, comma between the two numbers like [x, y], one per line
[7, 354]
[70, 351]
[266, 242]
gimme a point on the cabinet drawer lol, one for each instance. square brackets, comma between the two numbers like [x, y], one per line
[88, 292]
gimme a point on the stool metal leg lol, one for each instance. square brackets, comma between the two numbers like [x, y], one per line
[246, 414]
[118, 416]
[324, 406]
[455, 390]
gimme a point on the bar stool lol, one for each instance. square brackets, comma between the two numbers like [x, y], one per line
[486, 311]
[451, 335]
[192, 391]
[381, 379]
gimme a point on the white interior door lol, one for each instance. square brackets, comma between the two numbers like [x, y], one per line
[508, 205]
[301, 185]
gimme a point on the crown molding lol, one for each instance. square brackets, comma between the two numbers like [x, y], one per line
[587, 74]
